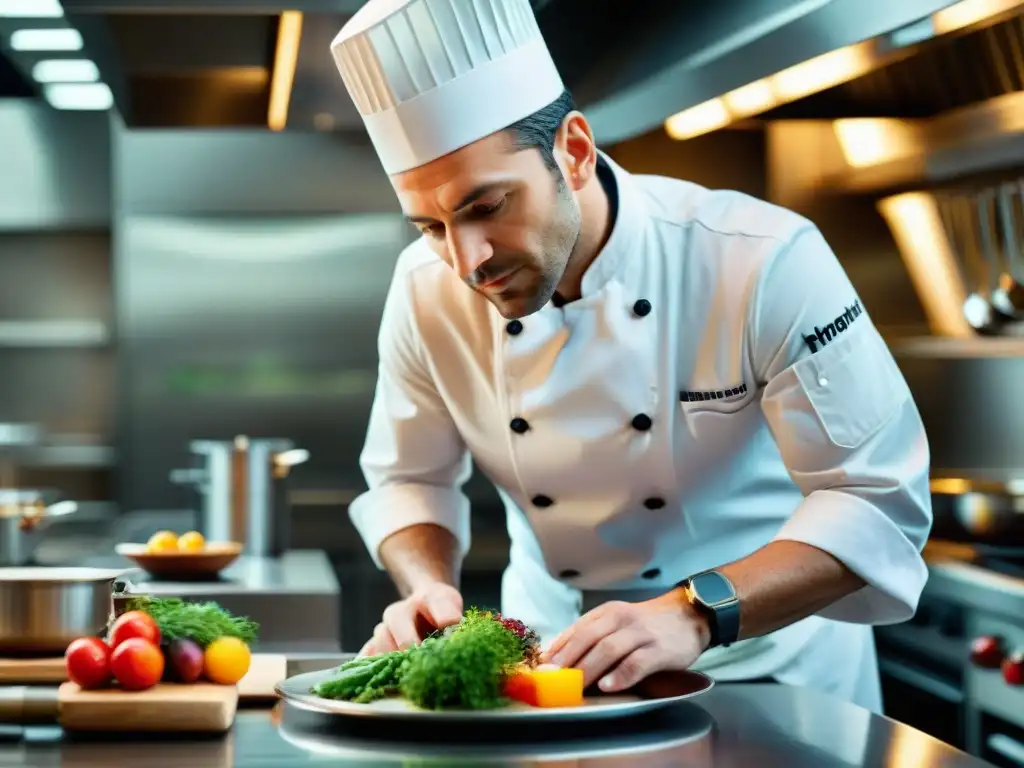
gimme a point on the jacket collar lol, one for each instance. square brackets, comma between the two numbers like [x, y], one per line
[625, 234]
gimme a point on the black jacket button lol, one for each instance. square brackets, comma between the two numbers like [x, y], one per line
[568, 573]
[653, 573]
[642, 422]
[514, 328]
[519, 426]
[543, 501]
[642, 308]
[654, 503]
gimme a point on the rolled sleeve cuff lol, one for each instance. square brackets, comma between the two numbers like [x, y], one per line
[871, 545]
[388, 509]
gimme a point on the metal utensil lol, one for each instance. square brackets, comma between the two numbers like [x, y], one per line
[958, 221]
[1008, 295]
[1000, 313]
[24, 515]
[43, 609]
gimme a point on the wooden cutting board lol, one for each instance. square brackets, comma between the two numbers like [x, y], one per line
[164, 708]
[32, 671]
[265, 671]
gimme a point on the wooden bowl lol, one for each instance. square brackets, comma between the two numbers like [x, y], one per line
[185, 566]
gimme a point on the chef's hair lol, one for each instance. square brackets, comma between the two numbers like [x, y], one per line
[538, 130]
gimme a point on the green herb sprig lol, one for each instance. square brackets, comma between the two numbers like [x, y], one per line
[200, 622]
[461, 668]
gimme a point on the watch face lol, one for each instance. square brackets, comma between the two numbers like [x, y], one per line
[712, 589]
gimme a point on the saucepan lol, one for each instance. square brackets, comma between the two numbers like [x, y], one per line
[24, 515]
[43, 609]
[978, 512]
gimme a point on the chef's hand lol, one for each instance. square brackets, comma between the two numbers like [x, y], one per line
[619, 644]
[409, 621]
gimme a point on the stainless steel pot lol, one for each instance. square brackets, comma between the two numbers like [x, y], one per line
[24, 516]
[978, 512]
[43, 609]
[243, 490]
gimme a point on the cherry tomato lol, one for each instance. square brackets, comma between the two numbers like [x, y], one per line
[137, 664]
[88, 662]
[134, 624]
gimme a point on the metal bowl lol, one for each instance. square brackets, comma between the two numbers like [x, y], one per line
[43, 609]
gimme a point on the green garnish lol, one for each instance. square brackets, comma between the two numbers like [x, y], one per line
[460, 668]
[200, 622]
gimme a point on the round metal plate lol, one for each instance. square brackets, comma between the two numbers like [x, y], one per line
[678, 735]
[657, 692]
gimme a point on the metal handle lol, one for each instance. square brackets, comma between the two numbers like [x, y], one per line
[1006, 747]
[922, 680]
[283, 462]
[188, 476]
[27, 704]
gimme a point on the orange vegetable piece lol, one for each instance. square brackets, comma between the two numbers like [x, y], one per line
[546, 687]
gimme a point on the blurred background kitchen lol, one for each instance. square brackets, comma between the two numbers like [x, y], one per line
[196, 240]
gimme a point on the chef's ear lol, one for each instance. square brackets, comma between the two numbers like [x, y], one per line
[579, 150]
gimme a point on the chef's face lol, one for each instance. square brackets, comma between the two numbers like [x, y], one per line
[499, 216]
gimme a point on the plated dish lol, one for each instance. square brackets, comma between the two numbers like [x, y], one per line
[485, 668]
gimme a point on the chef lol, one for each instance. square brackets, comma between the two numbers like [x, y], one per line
[707, 456]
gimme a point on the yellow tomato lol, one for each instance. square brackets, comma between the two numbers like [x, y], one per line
[226, 660]
[192, 541]
[162, 541]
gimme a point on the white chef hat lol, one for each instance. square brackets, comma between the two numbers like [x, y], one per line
[431, 76]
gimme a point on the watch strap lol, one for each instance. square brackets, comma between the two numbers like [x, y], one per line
[723, 614]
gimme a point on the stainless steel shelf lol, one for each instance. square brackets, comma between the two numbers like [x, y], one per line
[53, 333]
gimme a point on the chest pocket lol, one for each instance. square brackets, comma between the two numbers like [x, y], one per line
[853, 388]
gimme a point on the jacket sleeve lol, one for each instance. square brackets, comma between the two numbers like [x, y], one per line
[847, 427]
[413, 459]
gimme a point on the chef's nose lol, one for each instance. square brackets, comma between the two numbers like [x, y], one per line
[468, 250]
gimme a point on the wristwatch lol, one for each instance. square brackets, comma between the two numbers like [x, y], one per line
[715, 598]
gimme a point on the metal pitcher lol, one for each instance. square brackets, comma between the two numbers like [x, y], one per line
[243, 490]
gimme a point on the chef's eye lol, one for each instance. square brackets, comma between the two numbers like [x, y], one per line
[433, 230]
[482, 210]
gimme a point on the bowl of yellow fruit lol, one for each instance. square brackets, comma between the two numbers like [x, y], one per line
[187, 557]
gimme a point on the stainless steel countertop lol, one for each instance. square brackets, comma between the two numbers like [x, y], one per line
[733, 726]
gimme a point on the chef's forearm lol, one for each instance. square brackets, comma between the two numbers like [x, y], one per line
[786, 581]
[421, 555]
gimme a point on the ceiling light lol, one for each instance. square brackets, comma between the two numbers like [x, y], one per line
[82, 96]
[703, 118]
[31, 9]
[969, 12]
[65, 71]
[46, 40]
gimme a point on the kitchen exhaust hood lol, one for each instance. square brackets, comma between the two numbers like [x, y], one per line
[688, 58]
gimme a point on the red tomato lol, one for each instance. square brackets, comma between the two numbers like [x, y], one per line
[137, 664]
[88, 662]
[134, 624]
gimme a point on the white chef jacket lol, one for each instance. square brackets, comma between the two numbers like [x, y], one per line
[719, 385]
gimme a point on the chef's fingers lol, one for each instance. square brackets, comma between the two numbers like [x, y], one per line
[644, 661]
[381, 642]
[400, 620]
[609, 652]
[585, 634]
[443, 606]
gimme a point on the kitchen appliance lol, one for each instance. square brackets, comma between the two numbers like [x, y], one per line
[243, 490]
[43, 609]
